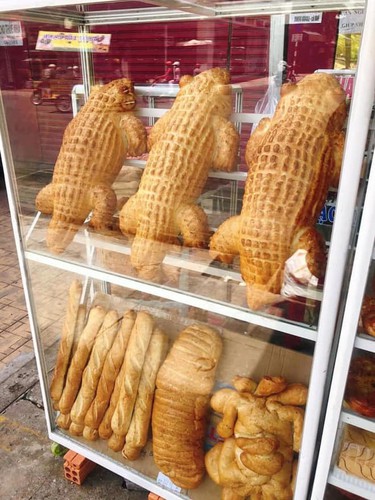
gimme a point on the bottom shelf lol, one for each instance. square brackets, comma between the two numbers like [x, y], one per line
[142, 472]
[352, 484]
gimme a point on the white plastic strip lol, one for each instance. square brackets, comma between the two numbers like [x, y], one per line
[356, 137]
[349, 417]
[182, 297]
[353, 484]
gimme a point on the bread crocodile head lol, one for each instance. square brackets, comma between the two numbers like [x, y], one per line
[118, 95]
[214, 83]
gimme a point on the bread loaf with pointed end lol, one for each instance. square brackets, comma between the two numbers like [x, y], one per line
[184, 384]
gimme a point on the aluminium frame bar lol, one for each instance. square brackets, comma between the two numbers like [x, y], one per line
[356, 136]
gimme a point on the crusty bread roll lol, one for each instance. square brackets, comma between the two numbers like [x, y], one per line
[110, 371]
[91, 374]
[78, 363]
[66, 342]
[184, 384]
[134, 360]
[136, 438]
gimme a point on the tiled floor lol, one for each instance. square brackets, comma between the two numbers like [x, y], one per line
[15, 337]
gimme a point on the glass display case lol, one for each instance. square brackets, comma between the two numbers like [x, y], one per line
[179, 169]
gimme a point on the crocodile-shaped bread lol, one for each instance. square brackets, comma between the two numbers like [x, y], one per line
[94, 146]
[194, 136]
[293, 159]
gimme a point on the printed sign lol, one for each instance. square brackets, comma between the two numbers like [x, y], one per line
[351, 21]
[10, 33]
[306, 18]
[54, 40]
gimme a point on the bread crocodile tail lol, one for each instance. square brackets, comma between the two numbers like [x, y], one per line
[60, 234]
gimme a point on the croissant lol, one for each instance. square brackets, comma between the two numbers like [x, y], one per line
[194, 136]
[95, 143]
[293, 159]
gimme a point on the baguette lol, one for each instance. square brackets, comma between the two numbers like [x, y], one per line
[105, 427]
[80, 325]
[134, 360]
[76, 429]
[90, 434]
[90, 378]
[63, 421]
[110, 371]
[78, 363]
[136, 437]
[66, 342]
[116, 442]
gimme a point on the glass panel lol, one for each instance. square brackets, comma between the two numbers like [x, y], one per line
[66, 303]
[261, 53]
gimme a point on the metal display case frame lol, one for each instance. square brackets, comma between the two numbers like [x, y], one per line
[340, 246]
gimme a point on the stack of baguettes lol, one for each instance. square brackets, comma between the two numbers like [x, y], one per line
[179, 416]
[104, 379]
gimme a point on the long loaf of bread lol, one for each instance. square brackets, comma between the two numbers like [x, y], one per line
[91, 374]
[105, 427]
[79, 360]
[110, 371]
[134, 360]
[184, 384]
[136, 438]
[66, 342]
[80, 325]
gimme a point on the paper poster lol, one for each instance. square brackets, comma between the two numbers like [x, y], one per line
[55, 40]
[351, 21]
[10, 33]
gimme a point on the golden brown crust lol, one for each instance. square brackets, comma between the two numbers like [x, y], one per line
[111, 368]
[134, 360]
[270, 385]
[293, 158]
[261, 434]
[95, 143]
[66, 342]
[91, 374]
[194, 136]
[184, 383]
[137, 435]
[80, 358]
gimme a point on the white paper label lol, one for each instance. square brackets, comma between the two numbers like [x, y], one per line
[164, 481]
[306, 18]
